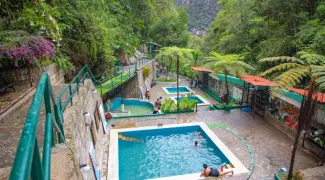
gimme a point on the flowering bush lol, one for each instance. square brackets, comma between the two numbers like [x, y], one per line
[26, 50]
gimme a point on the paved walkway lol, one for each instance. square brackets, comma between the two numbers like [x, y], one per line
[11, 129]
[271, 148]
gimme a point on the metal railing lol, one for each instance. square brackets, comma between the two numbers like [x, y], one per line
[108, 84]
[73, 87]
[28, 162]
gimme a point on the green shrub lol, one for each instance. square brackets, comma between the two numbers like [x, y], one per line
[168, 106]
[145, 71]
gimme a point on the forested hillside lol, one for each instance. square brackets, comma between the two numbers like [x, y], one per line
[83, 31]
[293, 30]
[201, 14]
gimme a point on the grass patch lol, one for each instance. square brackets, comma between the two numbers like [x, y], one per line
[205, 96]
[165, 80]
[217, 125]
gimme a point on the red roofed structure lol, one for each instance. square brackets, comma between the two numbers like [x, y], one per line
[257, 81]
[320, 96]
[201, 69]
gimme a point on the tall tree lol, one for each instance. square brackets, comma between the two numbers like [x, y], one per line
[307, 113]
[174, 55]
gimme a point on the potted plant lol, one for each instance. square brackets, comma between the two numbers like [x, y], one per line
[108, 115]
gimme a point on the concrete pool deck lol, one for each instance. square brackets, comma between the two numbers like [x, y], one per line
[271, 148]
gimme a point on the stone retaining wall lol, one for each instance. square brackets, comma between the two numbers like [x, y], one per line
[21, 76]
[81, 129]
[132, 89]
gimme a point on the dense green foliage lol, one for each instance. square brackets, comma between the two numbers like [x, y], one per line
[169, 105]
[261, 29]
[85, 31]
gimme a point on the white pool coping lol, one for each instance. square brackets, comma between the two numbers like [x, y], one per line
[205, 102]
[113, 172]
[168, 93]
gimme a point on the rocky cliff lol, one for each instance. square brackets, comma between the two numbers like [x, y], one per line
[201, 14]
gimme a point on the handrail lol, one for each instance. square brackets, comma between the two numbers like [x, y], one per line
[84, 72]
[28, 162]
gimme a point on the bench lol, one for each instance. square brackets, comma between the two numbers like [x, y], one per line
[5, 84]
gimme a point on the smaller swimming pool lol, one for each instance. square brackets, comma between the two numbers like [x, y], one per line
[198, 98]
[181, 89]
[132, 107]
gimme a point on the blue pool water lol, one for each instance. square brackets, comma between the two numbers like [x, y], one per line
[180, 89]
[166, 152]
[199, 101]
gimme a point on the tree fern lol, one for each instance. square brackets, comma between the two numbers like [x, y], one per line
[281, 59]
[281, 67]
[291, 71]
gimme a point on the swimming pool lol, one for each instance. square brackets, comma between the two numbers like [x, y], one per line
[168, 151]
[198, 98]
[181, 89]
[132, 107]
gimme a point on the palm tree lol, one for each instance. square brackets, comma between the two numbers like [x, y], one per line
[288, 72]
[228, 64]
[174, 55]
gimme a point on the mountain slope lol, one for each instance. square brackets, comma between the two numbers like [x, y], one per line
[201, 14]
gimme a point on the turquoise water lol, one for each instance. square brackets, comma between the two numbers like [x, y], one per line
[180, 89]
[199, 101]
[166, 152]
[136, 109]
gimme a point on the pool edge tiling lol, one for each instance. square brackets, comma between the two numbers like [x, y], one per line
[113, 164]
[169, 93]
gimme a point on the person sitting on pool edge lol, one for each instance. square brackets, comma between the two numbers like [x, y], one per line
[214, 172]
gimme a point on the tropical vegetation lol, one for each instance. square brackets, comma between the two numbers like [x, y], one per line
[92, 32]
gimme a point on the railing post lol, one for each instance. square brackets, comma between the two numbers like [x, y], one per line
[129, 72]
[47, 101]
[70, 93]
[77, 80]
[46, 159]
[36, 172]
[59, 122]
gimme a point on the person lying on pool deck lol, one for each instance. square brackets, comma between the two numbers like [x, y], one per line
[214, 172]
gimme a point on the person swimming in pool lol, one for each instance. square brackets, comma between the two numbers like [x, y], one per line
[196, 143]
[214, 172]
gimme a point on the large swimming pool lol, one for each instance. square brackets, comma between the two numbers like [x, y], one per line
[147, 153]
[181, 89]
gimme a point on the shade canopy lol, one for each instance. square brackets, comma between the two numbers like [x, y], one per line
[256, 80]
[320, 97]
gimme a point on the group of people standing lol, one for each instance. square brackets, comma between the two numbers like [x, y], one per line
[194, 83]
[162, 69]
[157, 104]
